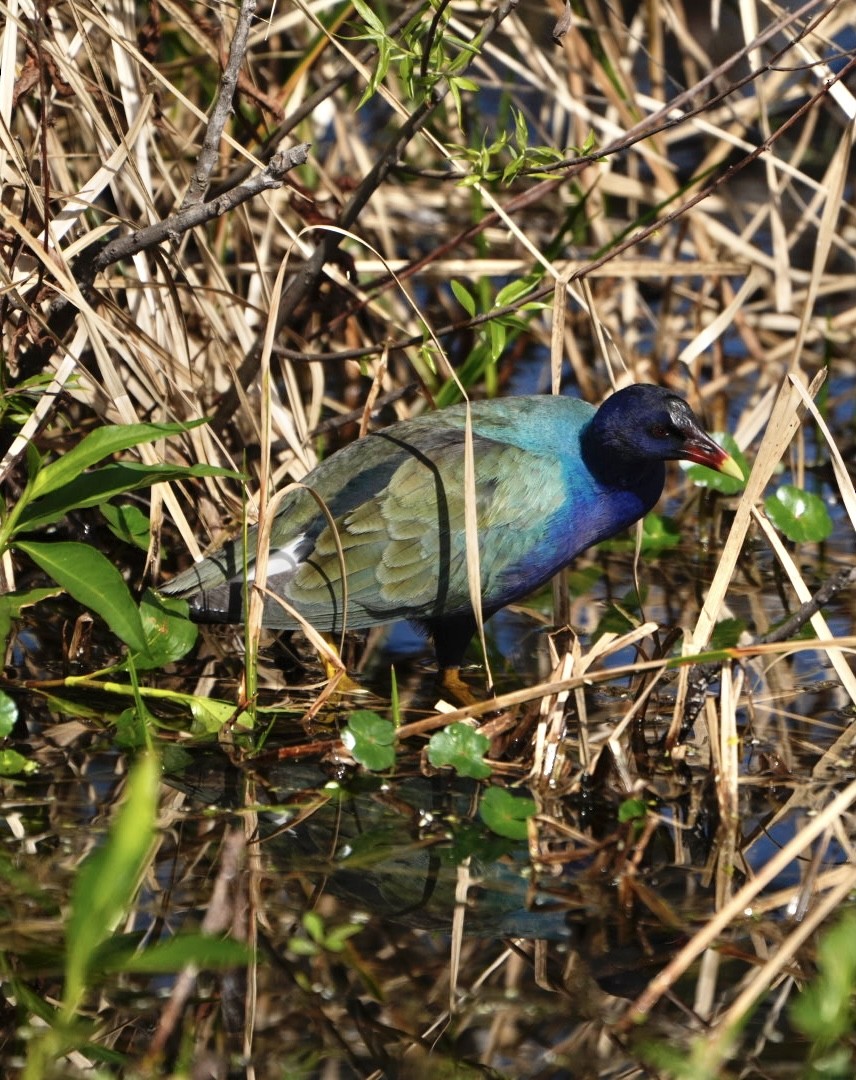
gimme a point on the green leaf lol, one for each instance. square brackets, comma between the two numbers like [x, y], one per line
[170, 634]
[93, 581]
[801, 515]
[97, 487]
[369, 18]
[506, 814]
[8, 715]
[201, 950]
[127, 523]
[513, 291]
[370, 739]
[98, 445]
[632, 810]
[12, 604]
[210, 714]
[107, 880]
[658, 534]
[338, 936]
[464, 297]
[14, 764]
[130, 730]
[726, 634]
[497, 334]
[824, 1009]
[702, 476]
[462, 747]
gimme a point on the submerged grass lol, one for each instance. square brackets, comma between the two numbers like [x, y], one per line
[255, 215]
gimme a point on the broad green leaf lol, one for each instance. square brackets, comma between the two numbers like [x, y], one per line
[462, 747]
[93, 581]
[127, 523]
[12, 604]
[170, 635]
[506, 814]
[107, 880]
[8, 715]
[100, 485]
[801, 515]
[96, 446]
[209, 714]
[14, 764]
[130, 734]
[370, 739]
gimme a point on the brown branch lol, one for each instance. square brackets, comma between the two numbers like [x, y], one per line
[62, 312]
[210, 150]
[171, 228]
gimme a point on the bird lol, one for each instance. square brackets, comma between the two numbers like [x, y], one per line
[553, 476]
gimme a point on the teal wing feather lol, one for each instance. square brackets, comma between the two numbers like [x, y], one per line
[405, 547]
[397, 500]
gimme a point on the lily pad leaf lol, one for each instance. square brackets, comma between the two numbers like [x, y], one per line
[462, 747]
[506, 814]
[801, 515]
[370, 739]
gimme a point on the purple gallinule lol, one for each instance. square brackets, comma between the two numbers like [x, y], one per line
[553, 475]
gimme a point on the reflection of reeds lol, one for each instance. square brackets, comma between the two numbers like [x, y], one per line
[705, 242]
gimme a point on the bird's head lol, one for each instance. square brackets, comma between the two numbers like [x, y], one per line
[645, 424]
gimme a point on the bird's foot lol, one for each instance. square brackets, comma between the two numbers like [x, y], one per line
[454, 687]
[339, 681]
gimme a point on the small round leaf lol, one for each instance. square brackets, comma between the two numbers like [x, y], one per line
[370, 739]
[506, 814]
[462, 747]
[800, 515]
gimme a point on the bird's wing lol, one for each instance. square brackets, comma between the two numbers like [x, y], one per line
[404, 543]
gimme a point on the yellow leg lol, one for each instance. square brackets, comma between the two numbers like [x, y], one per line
[335, 671]
[455, 688]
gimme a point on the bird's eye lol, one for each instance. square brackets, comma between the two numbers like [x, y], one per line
[660, 431]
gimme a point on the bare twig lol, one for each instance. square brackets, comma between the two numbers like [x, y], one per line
[188, 218]
[63, 311]
[223, 106]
